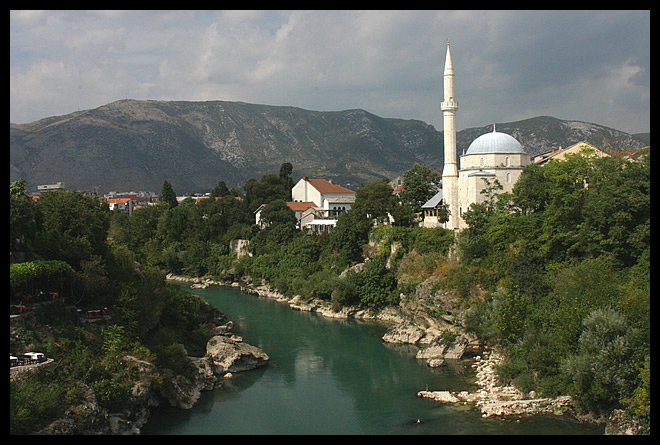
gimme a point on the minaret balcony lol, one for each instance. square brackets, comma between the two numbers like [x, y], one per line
[449, 105]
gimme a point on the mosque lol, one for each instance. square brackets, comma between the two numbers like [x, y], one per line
[491, 156]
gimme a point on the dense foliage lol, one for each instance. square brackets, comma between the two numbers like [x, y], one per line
[557, 272]
[67, 253]
[568, 288]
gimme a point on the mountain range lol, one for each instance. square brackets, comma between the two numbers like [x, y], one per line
[135, 145]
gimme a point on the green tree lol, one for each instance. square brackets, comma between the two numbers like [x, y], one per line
[277, 212]
[639, 405]
[374, 202]
[531, 191]
[472, 242]
[403, 214]
[269, 188]
[563, 213]
[617, 209]
[420, 183]
[348, 237]
[510, 315]
[577, 290]
[285, 176]
[73, 227]
[220, 190]
[272, 238]
[22, 217]
[605, 369]
[167, 195]
[376, 285]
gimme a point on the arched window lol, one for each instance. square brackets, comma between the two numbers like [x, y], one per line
[508, 177]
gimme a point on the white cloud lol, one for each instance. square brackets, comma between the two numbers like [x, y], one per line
[508, 63]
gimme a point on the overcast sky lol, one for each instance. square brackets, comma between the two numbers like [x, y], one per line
[591, 66]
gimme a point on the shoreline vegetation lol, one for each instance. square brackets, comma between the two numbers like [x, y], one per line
[490, 398]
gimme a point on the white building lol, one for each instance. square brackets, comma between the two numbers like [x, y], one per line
[491, 156]
[330, 201]
[49, 187]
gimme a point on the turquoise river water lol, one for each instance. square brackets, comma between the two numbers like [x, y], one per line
[331, 376]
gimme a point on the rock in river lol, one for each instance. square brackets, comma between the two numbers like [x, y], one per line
[403, 333]
[229, 355]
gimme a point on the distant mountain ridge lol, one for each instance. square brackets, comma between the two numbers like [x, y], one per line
[136, 145]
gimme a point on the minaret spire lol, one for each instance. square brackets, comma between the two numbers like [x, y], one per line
[449, 67]
[450, 170]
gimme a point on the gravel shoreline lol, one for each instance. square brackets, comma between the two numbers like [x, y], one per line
[499, 400]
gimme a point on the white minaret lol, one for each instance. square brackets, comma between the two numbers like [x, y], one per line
[450, 170]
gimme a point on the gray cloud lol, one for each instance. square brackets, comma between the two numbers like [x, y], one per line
[584, 65]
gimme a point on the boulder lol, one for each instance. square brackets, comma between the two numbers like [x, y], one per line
[433, 352]
[228, 355]
[206, 378]
[403, 333]
[179, 391]
[439, 396]
[457, 349]
[435, 362]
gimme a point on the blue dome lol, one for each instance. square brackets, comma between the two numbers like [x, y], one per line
[494, 143]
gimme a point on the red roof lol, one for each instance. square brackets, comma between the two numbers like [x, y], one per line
[325, 186]
[118, 200]
[300, 206]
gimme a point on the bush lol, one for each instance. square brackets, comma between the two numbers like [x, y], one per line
[34, 403]
[112, 393]
[376, 285]
[605, 369]
[344, 290]
[479, 320]
[174, 357]
[639, 405]
[437, 240]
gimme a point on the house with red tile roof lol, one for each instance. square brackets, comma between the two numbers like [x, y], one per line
[298, 208]
[318, 203]
[330, 197]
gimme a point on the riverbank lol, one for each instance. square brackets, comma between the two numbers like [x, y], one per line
[491, 399]
[296, 303]
[500, 400]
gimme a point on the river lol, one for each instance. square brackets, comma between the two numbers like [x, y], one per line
[333, 376]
